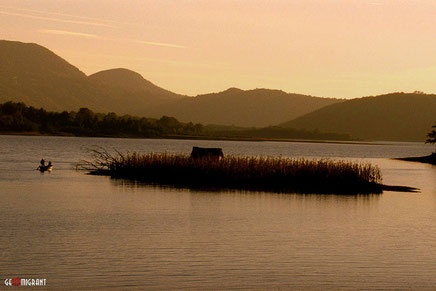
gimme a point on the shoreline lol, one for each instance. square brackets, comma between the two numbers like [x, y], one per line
[189, 137]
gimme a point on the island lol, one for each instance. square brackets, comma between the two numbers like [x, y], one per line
[247, 173]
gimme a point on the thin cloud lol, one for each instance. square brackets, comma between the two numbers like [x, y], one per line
[71, 33]
[160, 44]
[94, 22]
[60, 14]
[55, 19]
[94, 36]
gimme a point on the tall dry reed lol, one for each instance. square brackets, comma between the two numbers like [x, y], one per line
[239, 172]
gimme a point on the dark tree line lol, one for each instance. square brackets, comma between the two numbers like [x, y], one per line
[18, 117]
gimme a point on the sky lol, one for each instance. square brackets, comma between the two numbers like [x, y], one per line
[326, 48]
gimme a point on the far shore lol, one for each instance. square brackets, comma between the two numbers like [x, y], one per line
[189, 137]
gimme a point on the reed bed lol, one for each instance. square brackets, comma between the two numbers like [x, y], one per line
[271, 174]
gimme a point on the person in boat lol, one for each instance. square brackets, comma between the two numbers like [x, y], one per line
[42, 162]
[49, 164]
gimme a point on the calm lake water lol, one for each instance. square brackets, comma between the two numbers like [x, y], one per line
[86, 232]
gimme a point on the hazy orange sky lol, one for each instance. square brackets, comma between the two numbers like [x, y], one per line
[337, 48]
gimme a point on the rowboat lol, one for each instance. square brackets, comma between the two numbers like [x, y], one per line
[48, 168]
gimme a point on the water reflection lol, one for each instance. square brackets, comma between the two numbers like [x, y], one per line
[135, 185]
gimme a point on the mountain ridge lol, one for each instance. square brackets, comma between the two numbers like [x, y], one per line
[43, 79]
[33, 74]
[258, 107]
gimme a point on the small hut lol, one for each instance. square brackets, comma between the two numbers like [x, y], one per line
[210, 153]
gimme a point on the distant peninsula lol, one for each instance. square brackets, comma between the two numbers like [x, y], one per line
[431, 159]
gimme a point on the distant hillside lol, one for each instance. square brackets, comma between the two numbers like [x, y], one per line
[36, 76]
[33, 74]
[259, 107]
[129, 93]
[397, 117]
